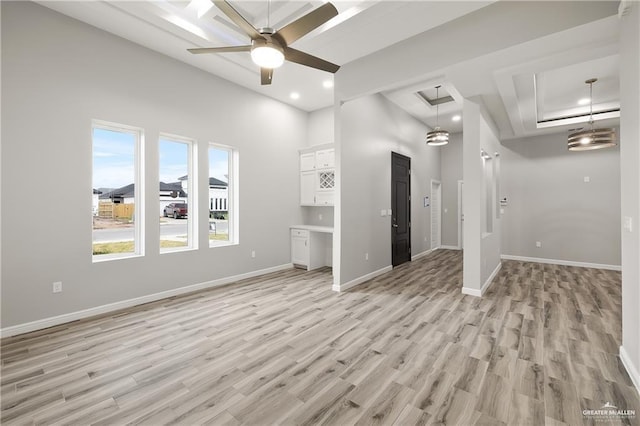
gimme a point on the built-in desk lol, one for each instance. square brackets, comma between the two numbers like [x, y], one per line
[311, 246]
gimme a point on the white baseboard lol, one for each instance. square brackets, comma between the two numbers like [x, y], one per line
[450, 247]
[485, 286]
[103, 309]
[422, 254]
[472, 291]
[631, 369]
[562, 262]
[360, 280]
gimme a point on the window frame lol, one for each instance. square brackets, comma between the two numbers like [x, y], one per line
[192, 186]
[232, 195]
[138, 191]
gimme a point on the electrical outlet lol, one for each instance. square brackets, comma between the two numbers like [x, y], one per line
[57, 287]
[446, 210]
[366, 256]
[538, 244]
[253, 253]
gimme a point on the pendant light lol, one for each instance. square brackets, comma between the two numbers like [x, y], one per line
[586, 140]
[438, 136]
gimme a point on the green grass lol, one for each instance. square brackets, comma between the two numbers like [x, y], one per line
[219, 237]
[128, 246]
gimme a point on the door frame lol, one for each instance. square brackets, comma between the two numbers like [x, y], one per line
[460, 215]
[438, 187]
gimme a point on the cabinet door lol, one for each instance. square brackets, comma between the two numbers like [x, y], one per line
[300, 247]
[307, 161]
[307, 188]
[325, 158]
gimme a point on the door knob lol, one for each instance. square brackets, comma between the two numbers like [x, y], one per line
[395, 225]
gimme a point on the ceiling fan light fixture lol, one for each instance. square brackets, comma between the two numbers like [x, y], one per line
[438, 136]
[267, 54]
[590, 139]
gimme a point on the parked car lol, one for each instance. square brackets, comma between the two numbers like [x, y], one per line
[176, 210]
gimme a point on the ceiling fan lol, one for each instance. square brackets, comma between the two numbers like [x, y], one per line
[269, 48]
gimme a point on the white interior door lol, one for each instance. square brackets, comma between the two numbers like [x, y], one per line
[436, 214]
[460, 215]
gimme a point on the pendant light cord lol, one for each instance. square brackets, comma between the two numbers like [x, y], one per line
[437, 107]
[591, 104]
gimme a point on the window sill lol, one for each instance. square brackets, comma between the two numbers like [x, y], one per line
[116, 256]
[222, 244]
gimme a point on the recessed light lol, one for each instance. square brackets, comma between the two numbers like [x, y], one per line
[584, 101]
[327, 84]
[294, 95]
[456, 118]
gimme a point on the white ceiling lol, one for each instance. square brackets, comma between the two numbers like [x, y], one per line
[523, 97]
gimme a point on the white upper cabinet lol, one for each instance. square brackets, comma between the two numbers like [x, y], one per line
[317, 176]
[325, 158]
[307, 161]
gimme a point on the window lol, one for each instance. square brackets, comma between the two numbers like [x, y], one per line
[177, 194]
[117, 191]
[222, 196]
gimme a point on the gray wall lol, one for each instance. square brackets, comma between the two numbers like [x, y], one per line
[548, 201]
[630, 189]
[57, 75]
[371, 128]
[451, 165]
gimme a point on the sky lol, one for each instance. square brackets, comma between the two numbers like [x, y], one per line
[113, 159]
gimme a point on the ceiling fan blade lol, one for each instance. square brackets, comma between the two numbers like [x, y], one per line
[237, 19]
[304, 25]
[199, 50]
[302, 58]
[266, 75]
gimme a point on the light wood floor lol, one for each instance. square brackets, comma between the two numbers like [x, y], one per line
[405, 348]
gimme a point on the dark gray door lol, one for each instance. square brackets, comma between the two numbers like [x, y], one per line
[401, 209]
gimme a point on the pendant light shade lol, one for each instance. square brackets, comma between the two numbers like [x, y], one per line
[591, 138]
[438, 136]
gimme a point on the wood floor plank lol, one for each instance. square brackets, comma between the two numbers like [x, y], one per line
[404, 348]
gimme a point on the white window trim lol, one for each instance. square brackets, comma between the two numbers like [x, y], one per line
[139, 188]
[233, 191]
[192, 201]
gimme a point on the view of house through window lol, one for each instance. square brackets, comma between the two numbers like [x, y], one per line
[176, 190]
[116, 191]
[220, 202]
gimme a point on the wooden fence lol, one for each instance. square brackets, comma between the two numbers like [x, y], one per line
[115, 211]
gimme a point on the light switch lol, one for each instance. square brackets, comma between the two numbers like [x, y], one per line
[446, 210]
[383, 213]
[501, 211]
[587, 179]
[389, 212]
[628, 223]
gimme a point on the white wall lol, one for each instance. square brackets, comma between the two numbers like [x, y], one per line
[548, 201]
[370, 128]
[451, 157]
[630, 187]
[320, 129]
[57, 75]
[481, 250]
